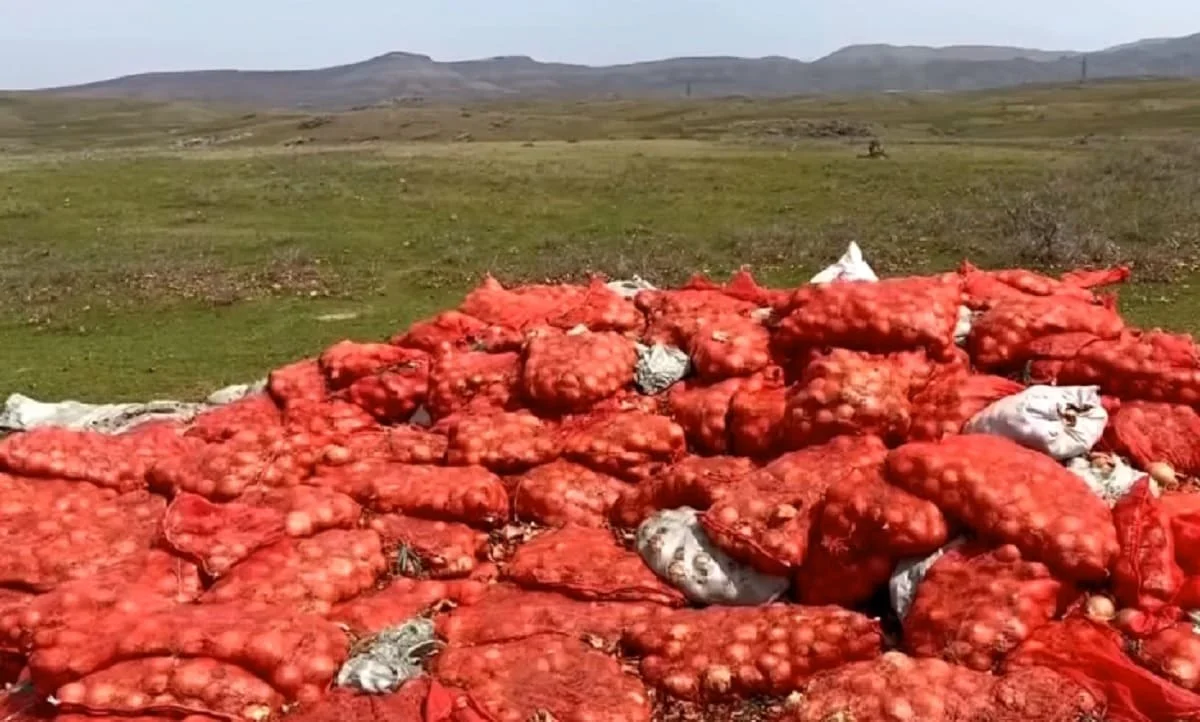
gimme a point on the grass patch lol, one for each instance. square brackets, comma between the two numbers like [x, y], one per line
[154, 271]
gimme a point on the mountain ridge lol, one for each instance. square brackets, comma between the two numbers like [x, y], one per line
[409, 77]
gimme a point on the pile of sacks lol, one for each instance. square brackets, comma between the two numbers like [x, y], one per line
[948, 498]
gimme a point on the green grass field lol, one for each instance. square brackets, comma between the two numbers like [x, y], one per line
[152, 250]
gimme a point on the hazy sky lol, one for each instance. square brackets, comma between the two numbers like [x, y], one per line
[55, 42]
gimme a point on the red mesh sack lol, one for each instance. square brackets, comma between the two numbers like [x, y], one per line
[298, 654]
[896, 314]
[755, 420]
[73, 717]
[588, 564]
[501, 441]
[1049, 354]
[571, 372]
[1146, 576]
[53, 532]
[520, 307]
[172, 686]
[675, 316]
[223, 422]
[1042, 694]
[1091, 655]
[730, 346]
[862, 509]
[1173, 653]
[1151, 366]
[448, 331]
[310, 426]
[344, 705]
[975, 605]
[1148, 432]
[405, 444]
[600, 309]
[469, 494]
[394, 394]
[268, 456]
[1095, 277]
[438, 548]
[985, 289]
[550, 675]
[766, 519]
[951, 399]
[297, 384]
[721, 653]
[849, 393]
[1183, 511]
[629, 444]
[70, 717]
[561, 493]
[629, 400]
[863, 528]
[347, 361]
[837, 574]
[1014, 495]
[894, 687]
[507, 613]
[696, 481]
[13, 603]
[703, 412]
[401, 600]
[306, 509]
[693, 299]
[117, 462]
[152, 582]
[218, 536]
[999, 336]
[305, 574]
[459, 380]
[742, 286]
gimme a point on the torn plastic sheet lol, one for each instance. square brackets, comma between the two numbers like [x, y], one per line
[631, 287]
[659, 367]
[1110, 476]
[237, 392]
[383, 662]
[22, 413]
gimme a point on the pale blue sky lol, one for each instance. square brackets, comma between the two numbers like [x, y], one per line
[55, 42]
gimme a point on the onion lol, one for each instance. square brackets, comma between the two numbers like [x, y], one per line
[100, 696]
[73, 693]
[1129, 619]
[288, 677]
[190, 679]
[228, 644]
[1162, 473]
[1183, 671]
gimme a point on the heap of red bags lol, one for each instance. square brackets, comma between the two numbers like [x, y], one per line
[489, 468]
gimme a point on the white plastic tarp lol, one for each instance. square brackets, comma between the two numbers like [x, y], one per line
[1061, 421]
[22, 413]
[850, 267]
[676, 547]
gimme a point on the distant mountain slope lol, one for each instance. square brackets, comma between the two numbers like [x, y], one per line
[857, 68]
[915, 54]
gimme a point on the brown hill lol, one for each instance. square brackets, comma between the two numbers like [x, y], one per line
[405, 77]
